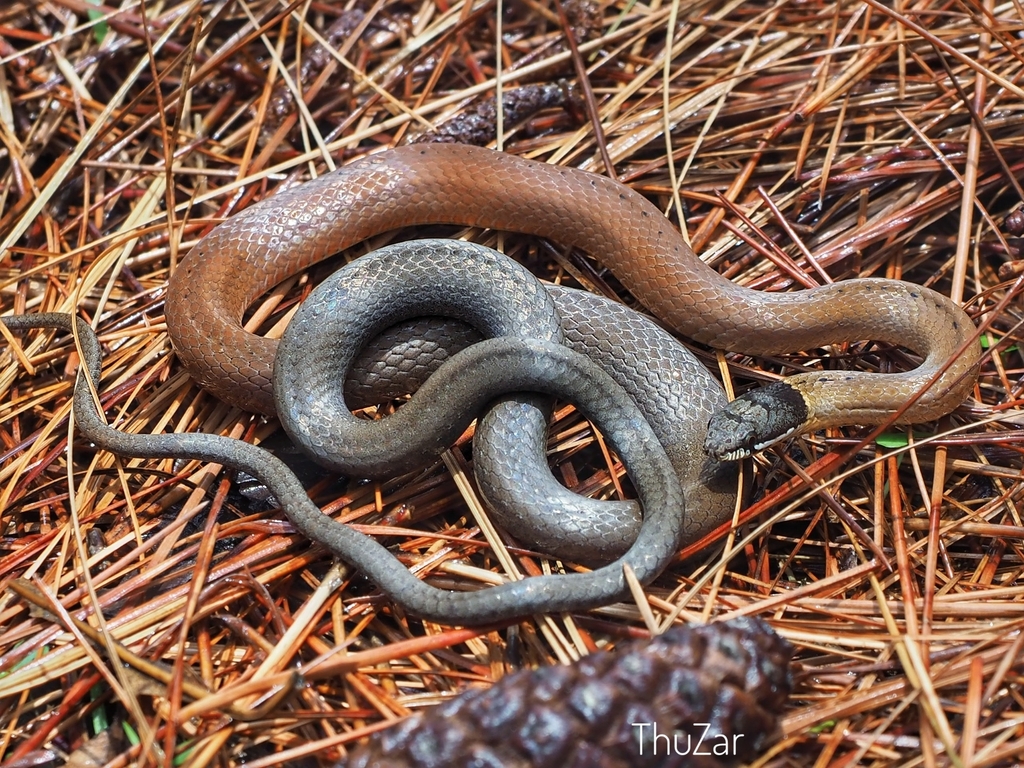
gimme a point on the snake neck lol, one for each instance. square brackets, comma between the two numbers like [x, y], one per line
[883, 310]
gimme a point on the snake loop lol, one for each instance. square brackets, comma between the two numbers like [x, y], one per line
[498, 297]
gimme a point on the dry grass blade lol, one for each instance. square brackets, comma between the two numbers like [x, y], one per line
[801, 141]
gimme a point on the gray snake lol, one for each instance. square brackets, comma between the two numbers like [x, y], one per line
[497, 297]
[469, 384]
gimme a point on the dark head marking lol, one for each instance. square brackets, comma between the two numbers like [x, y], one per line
[753, 422]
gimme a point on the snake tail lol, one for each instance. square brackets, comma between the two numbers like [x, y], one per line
[540, 365]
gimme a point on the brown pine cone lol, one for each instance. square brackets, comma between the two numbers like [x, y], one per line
[715, 689]
[479, 125]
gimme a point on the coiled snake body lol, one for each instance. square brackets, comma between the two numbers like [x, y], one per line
[452, 184]
[496, 296]
[470, 186]
[244, 257]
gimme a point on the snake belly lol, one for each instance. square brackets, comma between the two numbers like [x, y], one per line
[495, 296]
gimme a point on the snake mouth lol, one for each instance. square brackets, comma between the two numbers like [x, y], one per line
[755, 421]
[737, 454]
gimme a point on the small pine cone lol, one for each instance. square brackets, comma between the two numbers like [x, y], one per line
[479, 125]
[715, 689]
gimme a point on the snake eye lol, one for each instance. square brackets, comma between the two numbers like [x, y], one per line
[754, 421]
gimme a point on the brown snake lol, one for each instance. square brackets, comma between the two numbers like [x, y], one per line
[451, 184]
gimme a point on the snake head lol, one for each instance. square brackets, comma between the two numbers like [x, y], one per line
[754, 421]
